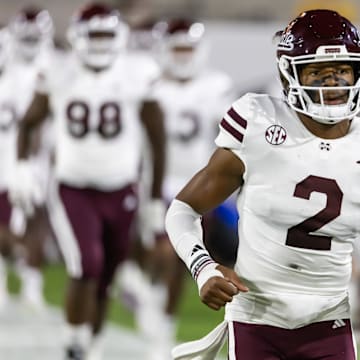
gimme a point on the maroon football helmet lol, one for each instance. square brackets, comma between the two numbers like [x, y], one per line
[319, 36]
[97, 34]
[182, 49]
[31, 28]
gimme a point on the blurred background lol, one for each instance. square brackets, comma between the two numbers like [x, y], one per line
[240, 32]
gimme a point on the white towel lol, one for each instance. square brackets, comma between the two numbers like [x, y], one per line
[205, 348]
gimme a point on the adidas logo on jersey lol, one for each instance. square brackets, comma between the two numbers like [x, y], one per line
[195, 249]
[338, 323]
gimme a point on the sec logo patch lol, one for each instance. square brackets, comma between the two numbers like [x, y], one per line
[275, 135]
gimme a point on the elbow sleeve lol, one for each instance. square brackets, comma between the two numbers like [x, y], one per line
[183, 226]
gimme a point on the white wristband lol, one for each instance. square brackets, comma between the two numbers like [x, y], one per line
[206, 273]
[156, 211]
[183, 225]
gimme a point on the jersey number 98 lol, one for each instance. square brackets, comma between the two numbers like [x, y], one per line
[109, 119]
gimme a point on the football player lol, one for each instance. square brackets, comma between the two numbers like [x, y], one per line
[97, 96]
[31, 30]
[193, 97]
[294, 161]
[8, 128]
[31, 33]
[18, 82]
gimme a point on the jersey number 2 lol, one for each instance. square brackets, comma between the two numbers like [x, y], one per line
[300, 235]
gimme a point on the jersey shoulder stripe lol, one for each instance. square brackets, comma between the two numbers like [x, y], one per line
[234, 124]
[237, 118]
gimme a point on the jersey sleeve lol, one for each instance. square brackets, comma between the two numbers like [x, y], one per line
[233, 128]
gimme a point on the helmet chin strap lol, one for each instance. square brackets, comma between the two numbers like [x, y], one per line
[328, 114]
[98, 61]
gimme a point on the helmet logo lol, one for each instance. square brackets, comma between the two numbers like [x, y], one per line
[286, 42]
[275, 135]
[332, 51]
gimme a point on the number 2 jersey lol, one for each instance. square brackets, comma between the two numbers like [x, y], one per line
[98, 131]
[299, 212]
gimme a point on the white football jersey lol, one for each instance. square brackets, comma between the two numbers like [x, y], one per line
[98, 133]
[299, 214]
[192, 110]
[17, 84]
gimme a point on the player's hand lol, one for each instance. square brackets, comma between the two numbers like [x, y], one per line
[24, 189]
[152, 215]
[217, 291]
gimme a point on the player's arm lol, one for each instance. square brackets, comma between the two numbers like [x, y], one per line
[153, 120]
[207, 189]
[152, 117]
[35, 115]
[214, 183]
[24, 190]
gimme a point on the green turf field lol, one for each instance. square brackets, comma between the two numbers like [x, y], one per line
[195, 319]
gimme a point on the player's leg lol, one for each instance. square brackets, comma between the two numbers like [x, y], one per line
[255, 342]
[118, 209]
[132, 280]
[36, 233]
[7, 242]
[79, 231]
[37, 230]
[167, 276]
[331, 340]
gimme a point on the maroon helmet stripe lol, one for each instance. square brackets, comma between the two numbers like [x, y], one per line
[229, 128]
[237, 118]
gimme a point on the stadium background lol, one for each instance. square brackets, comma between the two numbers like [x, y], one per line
[240, 34]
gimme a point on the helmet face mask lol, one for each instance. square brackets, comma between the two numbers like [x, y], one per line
[31, 29]
[97, 35]
[320, 37]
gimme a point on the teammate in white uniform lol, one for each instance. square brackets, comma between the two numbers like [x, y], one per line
[18, 78]
[96, 95]
[193, 97]
[31, 35]
[296, 164]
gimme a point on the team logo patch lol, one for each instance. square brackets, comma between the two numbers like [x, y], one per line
[325, 146]
[275, 135]
[286, 42]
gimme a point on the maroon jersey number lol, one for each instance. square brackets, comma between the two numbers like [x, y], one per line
[188, 127]
[109, 123]
[300, 235]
